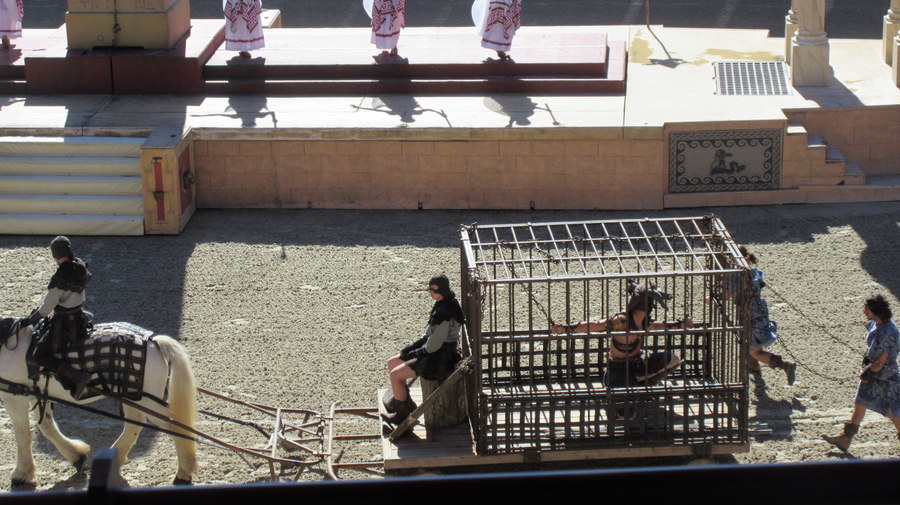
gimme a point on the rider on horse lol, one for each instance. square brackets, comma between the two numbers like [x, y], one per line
[68, 321]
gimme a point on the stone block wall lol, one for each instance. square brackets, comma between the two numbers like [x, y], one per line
[439, 174]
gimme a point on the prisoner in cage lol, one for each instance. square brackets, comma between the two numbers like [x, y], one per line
[499, 20]
[433, 356]
[628, 365]
[763, 331]
[388, 19]
[11, 14]
[68, 320]
[243, 26]
[879, 378]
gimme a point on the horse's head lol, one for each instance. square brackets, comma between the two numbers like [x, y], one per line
[9, 326]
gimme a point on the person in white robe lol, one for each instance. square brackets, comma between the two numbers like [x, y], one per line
[11, 14]
[499, 23]
[243, 26]
[388, 18]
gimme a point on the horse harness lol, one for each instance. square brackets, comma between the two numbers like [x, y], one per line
[116, 353]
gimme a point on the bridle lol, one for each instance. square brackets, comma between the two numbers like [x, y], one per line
[9, 326]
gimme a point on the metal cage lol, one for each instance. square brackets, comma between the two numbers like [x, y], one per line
[533, 392]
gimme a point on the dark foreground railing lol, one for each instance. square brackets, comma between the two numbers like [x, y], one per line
[845, 482]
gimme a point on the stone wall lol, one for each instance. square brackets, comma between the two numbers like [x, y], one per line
[402, 174]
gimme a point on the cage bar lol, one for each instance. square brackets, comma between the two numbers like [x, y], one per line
[534, 391]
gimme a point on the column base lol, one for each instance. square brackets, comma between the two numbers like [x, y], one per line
[810, 65]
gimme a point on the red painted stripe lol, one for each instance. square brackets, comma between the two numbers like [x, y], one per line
[158, 177]
[243, 40]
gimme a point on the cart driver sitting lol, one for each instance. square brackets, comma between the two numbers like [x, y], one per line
[628, 365]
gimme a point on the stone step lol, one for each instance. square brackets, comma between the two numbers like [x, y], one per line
[884, 181]
[13, 87]
[834, 155]
[874, 190]
[853, 174]
[116, 147]
[70, 224]
[132, 205]
[795, 129]
[816, 142]
[69, 165]
[414, 86]
[71, 185]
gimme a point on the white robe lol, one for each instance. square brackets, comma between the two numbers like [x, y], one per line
[243, 25]
[388, 18]
[11, 14]
[498, 26]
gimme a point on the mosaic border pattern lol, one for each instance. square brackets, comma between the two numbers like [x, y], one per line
[684, 175]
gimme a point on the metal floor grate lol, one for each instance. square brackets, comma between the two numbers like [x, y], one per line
[751, 78]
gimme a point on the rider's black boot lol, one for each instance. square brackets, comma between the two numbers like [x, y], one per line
[79, 378]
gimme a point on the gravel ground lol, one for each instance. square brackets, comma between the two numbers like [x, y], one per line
[301, 308]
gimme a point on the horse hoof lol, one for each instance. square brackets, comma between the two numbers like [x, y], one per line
[21, 485]
[79, 463]
[182, 482]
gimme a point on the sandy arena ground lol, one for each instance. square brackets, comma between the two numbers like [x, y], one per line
[301, 308]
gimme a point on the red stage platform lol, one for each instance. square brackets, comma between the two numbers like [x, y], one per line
[319, 62]
[41, 64]
[441, 61]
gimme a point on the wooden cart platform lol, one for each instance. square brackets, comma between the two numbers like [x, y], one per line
[424, 448]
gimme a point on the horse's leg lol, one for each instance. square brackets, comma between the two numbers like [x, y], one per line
[75, 451]
[130, 432]
[187, 460]
[17, 408]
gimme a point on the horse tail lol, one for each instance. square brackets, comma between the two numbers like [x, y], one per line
[182, 397]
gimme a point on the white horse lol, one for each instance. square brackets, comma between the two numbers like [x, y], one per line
[181, 408]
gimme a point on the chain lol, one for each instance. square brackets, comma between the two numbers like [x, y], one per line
[821, 328]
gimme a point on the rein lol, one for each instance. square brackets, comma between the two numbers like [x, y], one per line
[18, 389]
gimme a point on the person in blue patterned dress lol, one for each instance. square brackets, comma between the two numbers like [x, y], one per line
[763, 331]
[879, 378]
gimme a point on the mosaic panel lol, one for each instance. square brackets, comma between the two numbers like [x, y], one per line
[739, 160]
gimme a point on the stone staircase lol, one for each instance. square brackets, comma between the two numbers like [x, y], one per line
[827, 165]
[71, 185]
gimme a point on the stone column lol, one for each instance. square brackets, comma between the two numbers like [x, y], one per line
[891, 30]
[809, 48]
[790, 29]
[896, 66]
